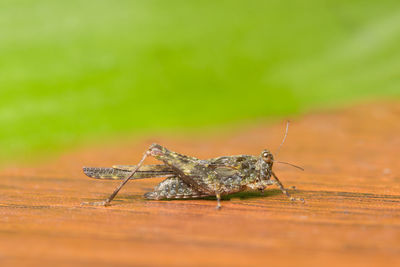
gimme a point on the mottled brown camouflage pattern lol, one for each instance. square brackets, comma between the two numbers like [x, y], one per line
[189, 177]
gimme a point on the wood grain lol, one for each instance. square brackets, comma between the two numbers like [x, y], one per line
[351, 217]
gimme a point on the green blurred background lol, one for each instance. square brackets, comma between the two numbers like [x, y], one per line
[78, 71]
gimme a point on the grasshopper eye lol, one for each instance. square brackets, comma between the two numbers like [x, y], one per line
[267, 157]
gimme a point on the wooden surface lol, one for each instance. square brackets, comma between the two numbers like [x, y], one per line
[351, 217]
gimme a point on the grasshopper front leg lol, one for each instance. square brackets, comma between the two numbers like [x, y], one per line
[284, 190]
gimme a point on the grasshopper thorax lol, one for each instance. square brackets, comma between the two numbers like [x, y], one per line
[264, 165]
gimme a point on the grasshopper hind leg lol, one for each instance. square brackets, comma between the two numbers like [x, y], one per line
[173, 188]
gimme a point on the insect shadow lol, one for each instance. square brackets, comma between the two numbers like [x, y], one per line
[247, 195]
[239, 195]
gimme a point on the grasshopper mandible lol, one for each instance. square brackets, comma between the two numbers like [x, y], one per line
[189, 177]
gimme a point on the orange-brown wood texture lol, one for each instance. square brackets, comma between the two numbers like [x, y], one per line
[351, 216]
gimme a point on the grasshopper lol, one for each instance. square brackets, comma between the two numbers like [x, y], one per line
[189, 177]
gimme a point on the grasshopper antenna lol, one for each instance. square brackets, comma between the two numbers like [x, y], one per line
[284, 138]
[279, 148]
[282, 162]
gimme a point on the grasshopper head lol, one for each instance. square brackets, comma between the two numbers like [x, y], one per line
[267, 157]
[263, 170]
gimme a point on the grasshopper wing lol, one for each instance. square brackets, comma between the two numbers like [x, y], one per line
[120, 172]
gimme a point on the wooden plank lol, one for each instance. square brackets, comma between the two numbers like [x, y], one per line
[351, 217]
